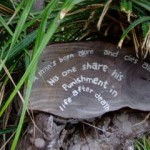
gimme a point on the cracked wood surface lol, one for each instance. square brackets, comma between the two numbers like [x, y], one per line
[88, 79]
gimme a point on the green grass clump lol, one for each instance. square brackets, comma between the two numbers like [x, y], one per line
[142, 144]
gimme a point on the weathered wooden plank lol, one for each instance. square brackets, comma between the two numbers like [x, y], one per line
[87, 79]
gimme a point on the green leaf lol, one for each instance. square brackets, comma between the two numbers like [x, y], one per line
[8, 130]
[19, 48]
[131, 26]
[142, 3]
[6, 26]
[19, 27]
[126, 6]
[123, 5]
[145, 28]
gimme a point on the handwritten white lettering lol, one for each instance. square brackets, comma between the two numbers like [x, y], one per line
[84, 53]
[68, 71]
[113, 92]
[82, 79]
[131, 59]
[146, 66]
[117, 75]
[66, 102]
[110, 53]
[66, 58]
[95, 66]
[35, 78]
[53, 80]
[47, 68]
[102, 101]
[82, 89]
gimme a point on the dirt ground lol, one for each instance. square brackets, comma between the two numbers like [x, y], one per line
[113, 131]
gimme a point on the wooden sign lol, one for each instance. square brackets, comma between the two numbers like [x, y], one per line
[88, 79]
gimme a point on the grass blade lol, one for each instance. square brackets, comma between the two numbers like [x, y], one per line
[6, 26]
[145, 5]
[19, 28]
[51, 30]
[130, 27]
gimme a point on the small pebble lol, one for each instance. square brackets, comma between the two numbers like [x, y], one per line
[39, 143]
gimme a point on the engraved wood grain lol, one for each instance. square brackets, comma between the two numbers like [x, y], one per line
[105, 79]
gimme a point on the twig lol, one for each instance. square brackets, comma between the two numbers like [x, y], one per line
[95, 127]
[146, 118]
